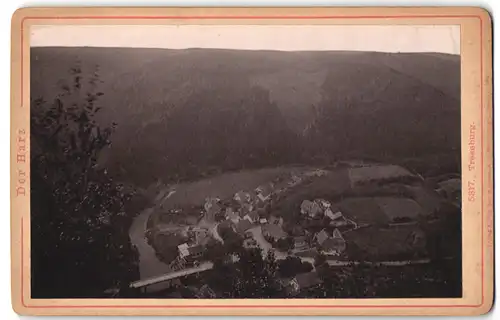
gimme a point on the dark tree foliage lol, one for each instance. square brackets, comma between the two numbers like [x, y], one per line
[444, 246]
[252, 276]
[232, 240]
[210, 134]
[291, 266]
[319, 260]
[285, 244]
[216, 252]
[401, 219]
[357, 124]
[79, 229]
[371, 281]
[165, 246]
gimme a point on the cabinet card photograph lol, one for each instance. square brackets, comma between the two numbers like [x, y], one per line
[217, 161]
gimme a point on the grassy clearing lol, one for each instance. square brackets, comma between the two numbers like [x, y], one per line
[399, 207]
[377, 172]
[428, 199]
[363, 210]
[383, 243]
[223, 186]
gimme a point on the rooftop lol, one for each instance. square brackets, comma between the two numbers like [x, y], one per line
[274, 230]
[243, 225]
[196, 249]
[253, 215]
[322, 236]
[333, 244]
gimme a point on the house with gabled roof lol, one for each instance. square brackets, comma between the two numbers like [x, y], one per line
[242, 197]
[211, 213]
[310, 208]
[252, 217]
[321, 236]
[333, 212]
[264, 192]
[212, 208]
[183, 250]
[273, 232]
[209, 202]
[334, 245]
[323, 203]
[190, 252]
[245, 209]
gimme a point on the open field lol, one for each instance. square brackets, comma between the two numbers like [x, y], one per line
[363, 210]
[222, 186]
[399, 207]
[427, 198]
[392, 243]
[377, 172]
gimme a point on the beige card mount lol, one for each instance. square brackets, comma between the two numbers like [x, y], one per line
[252, 161]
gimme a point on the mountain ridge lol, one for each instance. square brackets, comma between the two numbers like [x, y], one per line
[235, 108]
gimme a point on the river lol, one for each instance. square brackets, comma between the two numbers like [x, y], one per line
[149, 264]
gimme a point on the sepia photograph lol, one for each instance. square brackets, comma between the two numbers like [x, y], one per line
[240, 162]
[237, 160]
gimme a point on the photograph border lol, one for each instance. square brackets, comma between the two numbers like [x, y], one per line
[482, 297]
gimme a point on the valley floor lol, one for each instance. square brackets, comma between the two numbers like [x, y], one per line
[195, 194]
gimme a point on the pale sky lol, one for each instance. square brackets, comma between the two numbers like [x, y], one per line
[382, 38]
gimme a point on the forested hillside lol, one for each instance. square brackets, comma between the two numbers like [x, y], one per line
[182, 114]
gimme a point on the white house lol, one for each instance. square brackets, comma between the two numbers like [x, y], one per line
[183, 250]
[325, 204]
[242, 197]
[310, 208]
[210, 202]
[334, 245]
[333, 214]
[231, 215]
[264, 192]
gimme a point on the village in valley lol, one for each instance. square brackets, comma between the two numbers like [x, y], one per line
[370, 214]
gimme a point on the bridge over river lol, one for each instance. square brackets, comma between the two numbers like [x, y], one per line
[171, 276]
